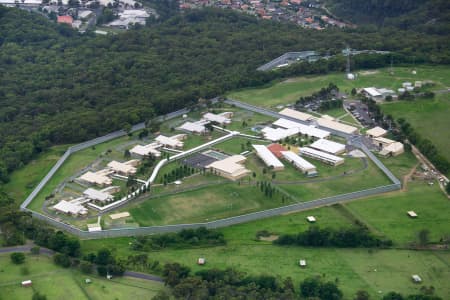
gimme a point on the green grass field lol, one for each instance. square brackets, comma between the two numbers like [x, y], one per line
[58, 283]
[387, 213]
[430, 118]
[355, 268]
[289, 91]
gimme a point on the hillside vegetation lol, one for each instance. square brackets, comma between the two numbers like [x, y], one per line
[430, 16]
[62, 87]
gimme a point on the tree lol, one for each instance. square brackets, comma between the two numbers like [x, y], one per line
[104, 257]
[310, 287]
[17, 258]
[362, 295]
[126, 153]
[62, 260]
[424, 237]
[393, 296]
[38, 296]
[86, 267]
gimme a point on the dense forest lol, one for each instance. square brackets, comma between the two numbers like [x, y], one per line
[430, 16]
[58, 86]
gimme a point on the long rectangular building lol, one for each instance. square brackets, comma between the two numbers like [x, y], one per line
[322, 156]
[300, 163]
[268, 158]
[296, 114]
[308, 130]
[328, 146]
[335, 125]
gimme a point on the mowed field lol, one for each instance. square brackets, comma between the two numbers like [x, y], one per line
[290, 90]
[57, 283]
[430, 118]
[377, 271]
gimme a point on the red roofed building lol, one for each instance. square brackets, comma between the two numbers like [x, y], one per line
[65, 20]
[276, 149]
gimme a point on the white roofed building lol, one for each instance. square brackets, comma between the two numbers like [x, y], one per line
[296, 114]
[300, 163]
[328, 146]
[307, 130]
[221, 119]
[98, 196]
[376, 132]
[372, 93]
[99, 178]
[268, 158]
[230, 167]
[126, 168]
[278, 134]
[147, 150]
[393, 149]
[67, 207]
[337, 126]
[194, 127]
[322, 156]
[171, 142]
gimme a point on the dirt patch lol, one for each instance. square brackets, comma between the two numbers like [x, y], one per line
[269, 238]
[365, 73]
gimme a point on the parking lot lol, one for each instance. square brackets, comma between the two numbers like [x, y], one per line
[360, 112]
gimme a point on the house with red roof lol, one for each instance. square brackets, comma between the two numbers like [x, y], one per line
[65, 20]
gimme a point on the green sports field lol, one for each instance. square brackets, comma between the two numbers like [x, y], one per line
[58, 283]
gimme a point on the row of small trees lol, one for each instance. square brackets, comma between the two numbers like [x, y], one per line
[328, 237]
[177, 173]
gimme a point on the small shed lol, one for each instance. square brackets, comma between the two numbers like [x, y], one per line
[311, 219]
[201, 261]
[416, 278]
[302, 263]
[26, 283]
[87, 281]
[412, 214]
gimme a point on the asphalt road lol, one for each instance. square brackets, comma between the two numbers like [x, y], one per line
[46, 251]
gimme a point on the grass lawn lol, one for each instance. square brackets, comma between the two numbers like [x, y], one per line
[290, 90]
[76, 162]
[335, 112]
[400, 165]
[238, 145]
[58, 283]
[26, 178]
[430, 118]
[350, 120]
[204, 204]
[387, 213]
[355, 268]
